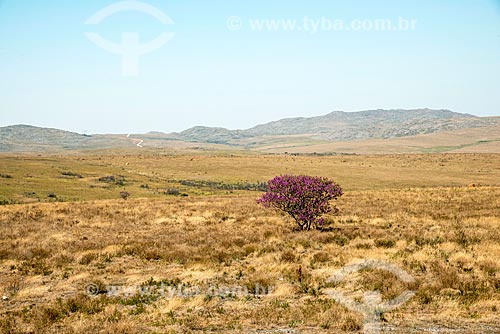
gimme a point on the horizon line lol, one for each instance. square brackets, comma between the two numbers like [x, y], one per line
[271, 121]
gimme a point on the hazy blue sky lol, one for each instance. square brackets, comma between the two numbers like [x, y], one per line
[211, 74]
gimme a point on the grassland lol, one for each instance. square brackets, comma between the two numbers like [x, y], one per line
[29, 178]
[473, 140]
[415, 211]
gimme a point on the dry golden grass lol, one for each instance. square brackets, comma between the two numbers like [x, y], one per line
[448, 238]
[151, 173]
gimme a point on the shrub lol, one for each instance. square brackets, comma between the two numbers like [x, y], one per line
[117, 180]
[4, 202]
[385, 243]
[125, 195]
[304, 198]
[71, 174]
[173, 192]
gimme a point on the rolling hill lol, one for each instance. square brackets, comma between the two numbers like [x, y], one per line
[27, 138]
[371, 131]
[345, 126]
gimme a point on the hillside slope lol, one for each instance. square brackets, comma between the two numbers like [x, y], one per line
[378, 131]
[27, 138]
[345, 126]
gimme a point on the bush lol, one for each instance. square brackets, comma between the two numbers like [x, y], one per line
[124, 194]
[117, 180]
[173, 192]
[71, 174]
[385, 243]
[304, 198]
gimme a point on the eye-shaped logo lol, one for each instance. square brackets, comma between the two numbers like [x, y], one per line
[372, 306]
[130, 48]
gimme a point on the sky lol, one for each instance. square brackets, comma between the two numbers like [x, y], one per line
[236, 64]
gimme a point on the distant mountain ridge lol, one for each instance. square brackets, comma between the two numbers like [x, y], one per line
[28, 138]
[344, 126]
[333, 127]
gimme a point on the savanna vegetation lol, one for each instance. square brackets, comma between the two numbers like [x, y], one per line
[435, 216]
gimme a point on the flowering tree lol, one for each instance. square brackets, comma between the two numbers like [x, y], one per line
[304, 198]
